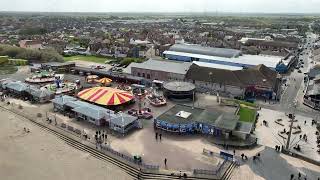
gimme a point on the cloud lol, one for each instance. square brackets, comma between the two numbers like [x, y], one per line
[273, 6]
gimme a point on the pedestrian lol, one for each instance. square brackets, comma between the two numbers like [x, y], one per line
[156, 136]
[242, 155]
[305, 122]
[165, 161]
[300, 136]
[160, 135]
[291, 176]
[299, 175]
[234, 152]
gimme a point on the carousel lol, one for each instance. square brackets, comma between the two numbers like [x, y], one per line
[61, 87]
[106, 96]
[104, 81]
[41, 77]
[124, 87]
[92, 78]
[156, 99]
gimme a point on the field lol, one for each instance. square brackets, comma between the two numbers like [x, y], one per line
[94, 59]
[247, 113]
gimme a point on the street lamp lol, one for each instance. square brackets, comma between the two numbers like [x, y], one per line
[210, 76]
[294, 105]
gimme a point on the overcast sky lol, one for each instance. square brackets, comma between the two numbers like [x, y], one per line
[262, 6]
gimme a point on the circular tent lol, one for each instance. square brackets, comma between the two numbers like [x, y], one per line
[105, 96]
[179, 90]
[104, 81]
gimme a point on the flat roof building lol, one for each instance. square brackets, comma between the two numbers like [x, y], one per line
[226, 58]
[209, 51]
[160, 69]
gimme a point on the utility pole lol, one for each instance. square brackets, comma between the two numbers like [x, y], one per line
[291, 125]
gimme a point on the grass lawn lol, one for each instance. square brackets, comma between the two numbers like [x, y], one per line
[246, 113]
[94, 59]
[8, 69]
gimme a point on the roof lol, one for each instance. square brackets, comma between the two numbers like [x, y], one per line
[213, 117]
[283, 44]
[258, 75]
[209, 51]
[244, 127]
[16, 86]
[122, 119]
[108, 73]
[158, 65]
[244, 60]
[179, 86]
[62, 100]
[92, 111]
[217, 66]
[40, 93]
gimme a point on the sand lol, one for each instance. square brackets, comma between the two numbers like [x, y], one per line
[40, 155]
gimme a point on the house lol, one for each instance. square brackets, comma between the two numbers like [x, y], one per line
[30, 44]
[311, 97]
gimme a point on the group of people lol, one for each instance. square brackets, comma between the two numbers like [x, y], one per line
[100, 137]
[27, 130]
[300, 177]
[304, 137]
[244, 157]
[278, 148]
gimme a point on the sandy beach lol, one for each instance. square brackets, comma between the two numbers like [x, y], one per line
[40, 155]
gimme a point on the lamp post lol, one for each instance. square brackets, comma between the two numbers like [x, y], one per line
[294, 105]
[210, 76]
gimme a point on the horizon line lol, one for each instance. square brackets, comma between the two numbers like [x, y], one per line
[171, 12]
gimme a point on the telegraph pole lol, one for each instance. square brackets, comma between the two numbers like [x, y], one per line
[291, 125]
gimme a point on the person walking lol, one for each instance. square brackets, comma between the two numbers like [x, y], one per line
[156, 136]
[165, 161]
[160, 135]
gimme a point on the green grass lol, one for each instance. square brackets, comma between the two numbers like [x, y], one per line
[8, 69]
[247, 114]
[94, 59]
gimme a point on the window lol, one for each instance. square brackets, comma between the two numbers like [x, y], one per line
[143, 75]
[148, 76]
[139, 74]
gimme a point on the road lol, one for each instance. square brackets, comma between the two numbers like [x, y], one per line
[293, 91]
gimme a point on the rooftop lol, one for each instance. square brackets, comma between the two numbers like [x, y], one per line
[244, 60]
[217, 66]
[179, 86]
[213, 117]
[158, 65]
[196, 49]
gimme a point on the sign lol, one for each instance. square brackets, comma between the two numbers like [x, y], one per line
[226, 155]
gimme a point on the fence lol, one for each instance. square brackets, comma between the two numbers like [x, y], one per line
[211, 172]
[39, 118]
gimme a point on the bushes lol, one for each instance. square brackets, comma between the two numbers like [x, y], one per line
[18, 62]
[127, 61]
[4, 59]
[30, 54]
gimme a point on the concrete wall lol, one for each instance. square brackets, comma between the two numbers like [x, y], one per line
[239, 135]
[159, 75]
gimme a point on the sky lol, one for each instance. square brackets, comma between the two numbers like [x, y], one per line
[237, 6]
